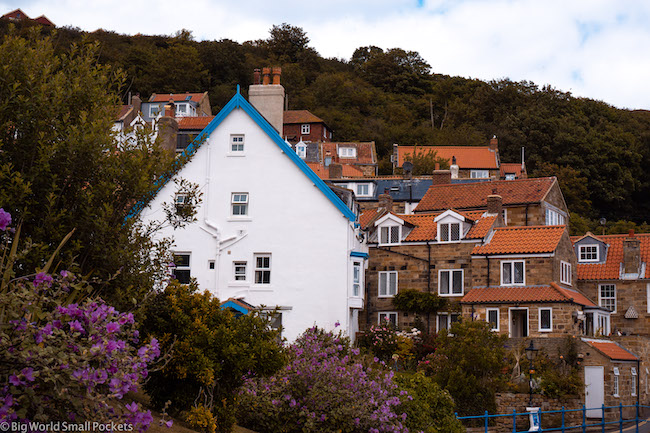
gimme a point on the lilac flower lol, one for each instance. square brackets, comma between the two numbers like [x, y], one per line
[43, 278]
[76, 326]
[5, 219]
[28, 373]
[112, 327]
[15, 381]
[169, 423]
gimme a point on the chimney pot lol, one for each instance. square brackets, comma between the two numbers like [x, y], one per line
[256, 76]
[494, 143]
[266, 76]
[277, 71]
[631, 233]
[335, 171]
[437, 166]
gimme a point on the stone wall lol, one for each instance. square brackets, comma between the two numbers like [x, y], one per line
[507, 402]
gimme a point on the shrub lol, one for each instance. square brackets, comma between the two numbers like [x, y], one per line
[381, 341]
[323, 389]
[62, 360]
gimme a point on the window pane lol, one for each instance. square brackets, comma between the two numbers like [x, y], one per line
[182, 275]
[458, 282]
[382, 283]
[545, 319]
[442, 322]
[444, 232]
[455, 232]
[444, 282]
[393, 283]
[506, 273]
[493, 318]
[384, 235]
[519, 273]
[394, 235]
[182, 259]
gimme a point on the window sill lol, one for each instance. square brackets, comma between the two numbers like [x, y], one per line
[389, 245]
[545, 330]
[451, 295]
[237, 219]
[385, 296]
[235, 155]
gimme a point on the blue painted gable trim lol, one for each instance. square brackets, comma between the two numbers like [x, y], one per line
[234, 306]
[359, 254]
[238, 101]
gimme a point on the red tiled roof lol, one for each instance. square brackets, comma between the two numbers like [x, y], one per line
[177, 97]
[43, 20]
[425, 227]
[481, 228]
[610, 270]
[612, 350]
[366, 153]
[324, 173]
[510, 167]
[474, 195]
[369, 216]
[300, 116]
[525, 294]
[466, 156]
[122, 111]
[522, 240]
[199, 122]
[16, 14]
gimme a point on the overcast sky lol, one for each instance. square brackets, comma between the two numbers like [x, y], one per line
[594, 48]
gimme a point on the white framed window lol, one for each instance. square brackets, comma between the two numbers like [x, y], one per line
[388, 318]
[545, 319]
[154, 110]
[236, 143]
[633, 381]
[565, 273]
[616, 374]
[239, 203]
[504, 216]
[363, 190]
[479, 174]
[446, 320]
[387, 284]
[301, 150]
[510, 176]
[450, 282]
[607, 296]
[588, 253]
[554, 218]
[513, 273]
[305, 128]
[262, 268]
[492, 317]
[181, 109]
[356, 279]
[449, 232]
[347, 152]
[182, 267]
[389, 235]
[181, 199]
[239, 271]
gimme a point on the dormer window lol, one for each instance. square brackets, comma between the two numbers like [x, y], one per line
[588, 253]
[449, 232]
[364, 190]
[389, 235]
[347, 152]
[301, 150]
[181, 109]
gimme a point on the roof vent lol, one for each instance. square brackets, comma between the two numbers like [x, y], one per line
[631, 313]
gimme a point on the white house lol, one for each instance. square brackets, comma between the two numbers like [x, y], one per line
[270, 232]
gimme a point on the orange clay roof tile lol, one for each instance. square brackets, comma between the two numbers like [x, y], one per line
[510, 167]
[522, 240]
[474, 195]
[300, 116]
[467, 157]
[199, 122]
[366, 152]
[612, 350]
[324, 173]
[610, 270]
[521, 294]
[177, 97]
[369, 216]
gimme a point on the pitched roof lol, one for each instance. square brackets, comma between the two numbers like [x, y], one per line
[611, 349]
[467, 157]
[195, 122]
[366, 152]
[122, 111]
[522, 240]
[324, 173]
[611, 268]
[16, 14]
[524, 294]
[300, 116]
[370, 216]
[511, 167]
[474, 195]
[43, 20]
[239, 102]
[177, 97]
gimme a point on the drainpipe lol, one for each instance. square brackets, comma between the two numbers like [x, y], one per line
[527, 214]
[488, 270]
[429, 285]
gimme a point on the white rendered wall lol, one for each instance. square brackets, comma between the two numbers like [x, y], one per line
[288, 216]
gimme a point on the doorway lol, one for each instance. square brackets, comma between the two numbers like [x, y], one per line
[518, 322]
[594, 390]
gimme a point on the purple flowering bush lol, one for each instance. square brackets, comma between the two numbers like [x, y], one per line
[323, 388]
[63, 361]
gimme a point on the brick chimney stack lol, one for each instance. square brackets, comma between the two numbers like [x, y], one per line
[494, 204]
[170, 109]
[631, 254]
[441, 177]
[494, 144]
[385, 201]
[335, 170]
[267, 98]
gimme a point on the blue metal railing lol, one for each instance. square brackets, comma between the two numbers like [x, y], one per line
[620, 422]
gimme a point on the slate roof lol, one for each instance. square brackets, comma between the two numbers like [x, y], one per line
[177, 97]
[467, 157]
[366, 152]
[324, 173]
[522, 240]
[611, 349]
[312, 151]
[195, 122]
[300, 116]
[525, 294]
[474, 195]
[611, 268]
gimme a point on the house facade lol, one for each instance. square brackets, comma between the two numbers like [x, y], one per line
[184, 105]
[253, 244]
[301, 125]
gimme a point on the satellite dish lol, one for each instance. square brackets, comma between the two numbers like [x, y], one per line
[603, 221]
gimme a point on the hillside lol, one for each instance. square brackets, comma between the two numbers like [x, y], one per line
[600, 154]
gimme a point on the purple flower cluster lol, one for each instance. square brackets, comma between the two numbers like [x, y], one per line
[5, 219]
[69, 360]
[323, 388]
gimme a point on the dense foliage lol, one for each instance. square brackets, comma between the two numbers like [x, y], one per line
[61, 168]
[65, 361]
[212, 351]
[600, 154]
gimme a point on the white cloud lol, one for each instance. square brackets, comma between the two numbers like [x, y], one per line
[593, 48]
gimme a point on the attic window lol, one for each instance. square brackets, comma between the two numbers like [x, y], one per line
[449, 232]
[347, 152]
[389, 235]
[588, 253]
[188, 97]
[301, 150]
